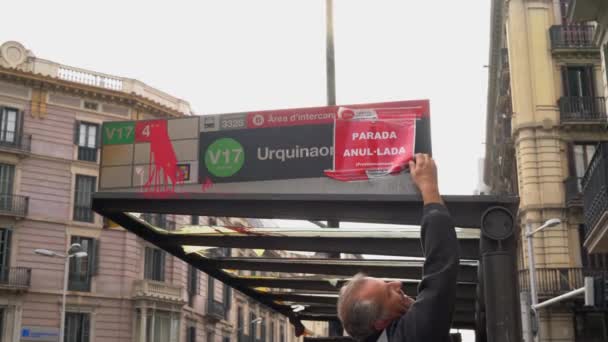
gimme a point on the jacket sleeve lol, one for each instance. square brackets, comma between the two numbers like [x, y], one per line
[430, 318]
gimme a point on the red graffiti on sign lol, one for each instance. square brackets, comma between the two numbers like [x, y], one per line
[163, 172]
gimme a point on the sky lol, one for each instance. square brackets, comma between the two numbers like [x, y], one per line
[234, 56]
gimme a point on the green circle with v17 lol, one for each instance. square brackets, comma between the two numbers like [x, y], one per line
[224, 157]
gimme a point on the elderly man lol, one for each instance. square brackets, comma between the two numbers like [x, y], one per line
[372, 310]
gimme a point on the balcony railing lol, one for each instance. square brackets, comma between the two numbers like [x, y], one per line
[87, 153]
[584, 109]
[15, 277]
[215, 310]
[15, 142]
[574, 191]
[79, 282]
[158, 290]
[595, 188]
[572, 37]
[551, 282]
[13, 205]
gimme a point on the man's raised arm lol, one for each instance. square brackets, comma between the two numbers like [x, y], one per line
[430, 318]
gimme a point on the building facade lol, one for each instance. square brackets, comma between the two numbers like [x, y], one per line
[124, 289]
[546, 113]
[596, 236]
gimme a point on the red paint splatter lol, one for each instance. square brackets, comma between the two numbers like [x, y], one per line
[207, 184]
[163, 173]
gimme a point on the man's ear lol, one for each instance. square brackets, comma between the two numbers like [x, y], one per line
[381, 324]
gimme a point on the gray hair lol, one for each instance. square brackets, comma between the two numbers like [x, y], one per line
[357, 316]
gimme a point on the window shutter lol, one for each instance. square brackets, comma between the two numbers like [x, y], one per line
[97, 136]
[85, 327]
[197, 277]
[571, 162]
[76, 132]
[148, 264]
[94, 260]
[162, 266]
[565, 83]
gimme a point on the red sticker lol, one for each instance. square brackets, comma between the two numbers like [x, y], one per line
[370, 143]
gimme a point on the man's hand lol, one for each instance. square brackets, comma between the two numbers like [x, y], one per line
[424, 175]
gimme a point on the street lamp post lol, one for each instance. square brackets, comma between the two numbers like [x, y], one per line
[532, 265]
[75, 250]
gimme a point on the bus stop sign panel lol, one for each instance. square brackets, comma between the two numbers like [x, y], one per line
[279, 151]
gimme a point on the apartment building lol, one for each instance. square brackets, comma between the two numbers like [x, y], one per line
[546, 113]
[124, 289]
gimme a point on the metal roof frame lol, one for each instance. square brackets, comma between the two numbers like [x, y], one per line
[317, 293]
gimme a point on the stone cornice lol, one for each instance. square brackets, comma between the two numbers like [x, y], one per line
[78, 89]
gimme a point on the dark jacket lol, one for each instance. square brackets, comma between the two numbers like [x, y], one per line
[430, 318]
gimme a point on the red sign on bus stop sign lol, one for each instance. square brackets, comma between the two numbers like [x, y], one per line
[371, 143]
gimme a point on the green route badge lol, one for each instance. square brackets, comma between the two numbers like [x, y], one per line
[224, 157]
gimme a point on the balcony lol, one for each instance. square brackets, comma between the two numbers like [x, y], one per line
[20, 144]
[595, 201]
[215, 310]
[87, 154]
[551, 282]
[13, 205]
[574, 191]
[582, 110]
[79, 282]
[15, 278]
[157, 290]
[569, 38]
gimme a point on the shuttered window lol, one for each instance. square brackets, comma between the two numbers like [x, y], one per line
[5, 253]
[8, 125]
[82, 269]
[192, 284]
[77, 327]
[87, 137]
[84, 189]
[154, 264]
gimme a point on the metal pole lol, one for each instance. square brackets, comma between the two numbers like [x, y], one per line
[335, 327]
[65, 288]
[532, 274]
[331, 68]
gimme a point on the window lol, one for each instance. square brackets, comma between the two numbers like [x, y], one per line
[191, 334]
[86, 136]
[240, 326]
[578, 81]
[591, 326]
[282, 333]
[192, 284]
[263, 331]
[595, 261]
[194, 220]
[9, 118]
[253, 326]
[162, 326]
[210, 337]
[81, 269]
[271, 335]
[5, 253]
[158, 220]
[606, 61]
[581, 157]
[7, 176]
[85, 187]
[154, 264]
[77, 326]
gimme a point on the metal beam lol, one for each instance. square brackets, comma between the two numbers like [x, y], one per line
[464, 304]
[465, 290]
[469, 248]
[395, 209]
[331, 310]
[404, 269]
